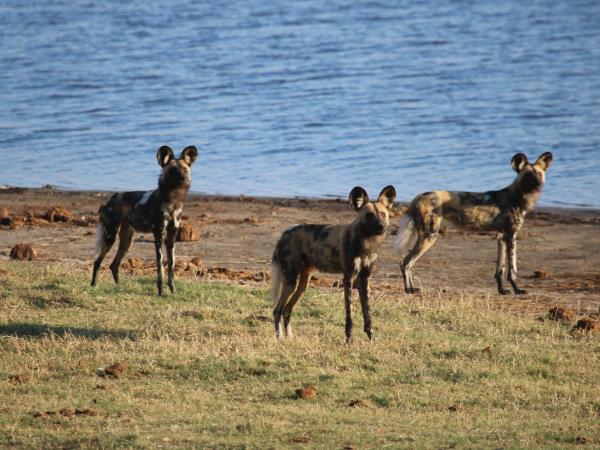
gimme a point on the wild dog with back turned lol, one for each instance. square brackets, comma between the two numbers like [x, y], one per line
[502, 211]
[157, 211]
[348, 249]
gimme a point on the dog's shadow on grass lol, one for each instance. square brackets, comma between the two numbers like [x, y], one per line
[34, 330]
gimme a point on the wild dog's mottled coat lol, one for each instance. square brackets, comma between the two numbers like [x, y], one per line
[348, 249]
[156, 211]
[502, 211]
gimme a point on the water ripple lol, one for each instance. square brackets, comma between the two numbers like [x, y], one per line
[301, 98]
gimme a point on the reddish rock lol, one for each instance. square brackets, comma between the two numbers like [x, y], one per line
[58, 214]
[561, 313]
[358, 404]
[306, 392]
[115, 370]
[134, 263]
[23, 252]
[541, 274]
[37, 221]
[67, 412]
[20, 378]
[587, 324]
[187, 232]
[196, 262]
[85, 412]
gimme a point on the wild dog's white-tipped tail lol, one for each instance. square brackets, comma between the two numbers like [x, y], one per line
[406, 233]
[100, 236]
[276, 282]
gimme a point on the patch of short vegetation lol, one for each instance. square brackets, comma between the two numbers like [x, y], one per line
[201, 368]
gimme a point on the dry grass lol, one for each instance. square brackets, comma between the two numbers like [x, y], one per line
[203, 370]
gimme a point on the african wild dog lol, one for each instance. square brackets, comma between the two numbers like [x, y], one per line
[154, 211]
[502, 211]
[348, 249]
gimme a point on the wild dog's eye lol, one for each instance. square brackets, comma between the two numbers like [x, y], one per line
[370, 215]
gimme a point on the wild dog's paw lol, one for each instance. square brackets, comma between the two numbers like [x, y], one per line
[278, 333]
[115, 272]
[519, 291]
[348, 331]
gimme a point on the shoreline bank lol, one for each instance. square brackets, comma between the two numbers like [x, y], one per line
[566, 210]
[235, 236]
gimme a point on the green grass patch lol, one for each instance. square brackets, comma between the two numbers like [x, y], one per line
[204, 370]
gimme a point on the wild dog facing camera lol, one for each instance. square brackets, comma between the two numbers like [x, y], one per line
[158, 211]
[176, 171]
[349, 249]
[374, 216]
[531, 177]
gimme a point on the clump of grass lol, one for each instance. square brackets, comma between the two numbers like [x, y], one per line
[204, 369]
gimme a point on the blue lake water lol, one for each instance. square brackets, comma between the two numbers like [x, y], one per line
[303, 98]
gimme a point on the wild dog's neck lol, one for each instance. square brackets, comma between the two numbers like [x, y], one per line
[172, 194]
[525, 200]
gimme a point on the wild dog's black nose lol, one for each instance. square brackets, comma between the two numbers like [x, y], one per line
[379, 227]
[531, 182]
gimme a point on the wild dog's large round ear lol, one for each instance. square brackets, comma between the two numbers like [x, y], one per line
[544, 161]
[519, 161]
[164, 155]
[358, 198]
[387, 196]
[189, 154]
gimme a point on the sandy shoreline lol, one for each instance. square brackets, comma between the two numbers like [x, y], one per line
[237, 236]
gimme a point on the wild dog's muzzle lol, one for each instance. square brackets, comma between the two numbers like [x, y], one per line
[531, 183]
[376, 228]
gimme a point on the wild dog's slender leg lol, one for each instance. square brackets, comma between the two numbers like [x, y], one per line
[158, 239]
[424, 243]
[363, 292]
[170, 243]
[125, 238]
[501, 263]
[406, 277]
[511, 243]
[295, 298]
[348, 278]
[289, 286]
[106, 241]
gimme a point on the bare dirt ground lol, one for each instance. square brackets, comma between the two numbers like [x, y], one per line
[558, 254]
